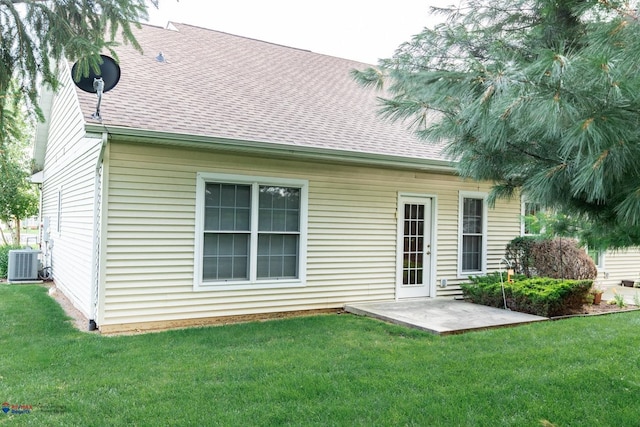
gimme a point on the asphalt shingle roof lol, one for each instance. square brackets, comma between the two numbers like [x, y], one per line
[225, 86]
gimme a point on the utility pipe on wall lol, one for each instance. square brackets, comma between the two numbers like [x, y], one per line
[96, 240]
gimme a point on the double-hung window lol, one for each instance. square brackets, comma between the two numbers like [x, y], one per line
[251, 231]
[472, 233]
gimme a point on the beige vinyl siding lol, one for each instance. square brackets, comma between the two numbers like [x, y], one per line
[620, 265]
[504, 225]
[352, 225]
[69, 169]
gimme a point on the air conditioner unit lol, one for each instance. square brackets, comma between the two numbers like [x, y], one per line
[23, 265]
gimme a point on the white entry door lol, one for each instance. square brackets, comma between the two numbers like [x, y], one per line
[414, 247]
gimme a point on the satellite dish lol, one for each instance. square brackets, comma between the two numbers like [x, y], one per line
[109, 72]
[106, 80]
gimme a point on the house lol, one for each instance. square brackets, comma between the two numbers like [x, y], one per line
[617, 266]
[231, 178]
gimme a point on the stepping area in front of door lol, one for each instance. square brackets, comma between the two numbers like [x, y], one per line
[442, 316]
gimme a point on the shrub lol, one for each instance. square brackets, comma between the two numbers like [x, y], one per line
[562, 259]
[518, 253]
[485, 290]
[557, 258]
[4, 258]
[541, 296]
[550, 297]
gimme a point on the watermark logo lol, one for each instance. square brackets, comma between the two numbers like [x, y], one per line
[9, 408]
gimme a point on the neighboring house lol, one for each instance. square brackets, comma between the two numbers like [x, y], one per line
[616, 266]
[232, 178]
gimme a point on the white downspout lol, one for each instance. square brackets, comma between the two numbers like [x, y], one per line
[97, 225]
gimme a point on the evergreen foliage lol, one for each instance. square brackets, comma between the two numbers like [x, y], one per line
[35, 35]
[542, 296]
[540, 97]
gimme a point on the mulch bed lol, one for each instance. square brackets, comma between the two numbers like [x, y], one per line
[602, 308]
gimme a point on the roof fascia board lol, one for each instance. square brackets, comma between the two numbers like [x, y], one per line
[269, 148]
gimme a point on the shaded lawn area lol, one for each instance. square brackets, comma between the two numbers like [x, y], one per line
[321, 370]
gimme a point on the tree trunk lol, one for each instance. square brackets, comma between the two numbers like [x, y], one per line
[17, 232]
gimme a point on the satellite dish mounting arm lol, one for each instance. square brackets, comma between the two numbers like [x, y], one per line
[99, 82]
[98, 85]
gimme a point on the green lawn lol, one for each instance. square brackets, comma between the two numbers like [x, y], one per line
[321, 370]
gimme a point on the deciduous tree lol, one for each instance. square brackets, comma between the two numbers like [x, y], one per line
[18, 197]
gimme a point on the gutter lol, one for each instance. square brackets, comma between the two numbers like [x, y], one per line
[96, 239]
[275, 149]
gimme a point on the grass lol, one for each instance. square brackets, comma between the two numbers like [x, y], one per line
[323, 370]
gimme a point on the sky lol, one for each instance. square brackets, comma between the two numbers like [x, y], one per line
[362, 30]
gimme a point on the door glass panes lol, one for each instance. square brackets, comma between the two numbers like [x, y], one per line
[413, 241]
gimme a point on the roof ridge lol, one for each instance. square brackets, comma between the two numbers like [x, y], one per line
[174, 23]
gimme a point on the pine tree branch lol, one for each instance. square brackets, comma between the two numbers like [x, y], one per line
[532, 155]
[561, 74]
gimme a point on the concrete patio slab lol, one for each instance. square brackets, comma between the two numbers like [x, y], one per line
[441, 316]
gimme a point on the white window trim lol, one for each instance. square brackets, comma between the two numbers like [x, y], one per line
[463, 274]
[600, 266]
[201, 179]
[523, 202]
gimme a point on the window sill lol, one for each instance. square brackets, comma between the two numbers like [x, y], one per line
[464, 275]
[241, 286]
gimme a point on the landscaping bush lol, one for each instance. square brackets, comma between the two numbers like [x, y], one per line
[562, 259]
[557, 258]
[485, 293]
[541, 296]
[4, 258]
[518, 253]
[486, 290]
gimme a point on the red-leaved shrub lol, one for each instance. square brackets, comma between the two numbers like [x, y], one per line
[561, 258]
